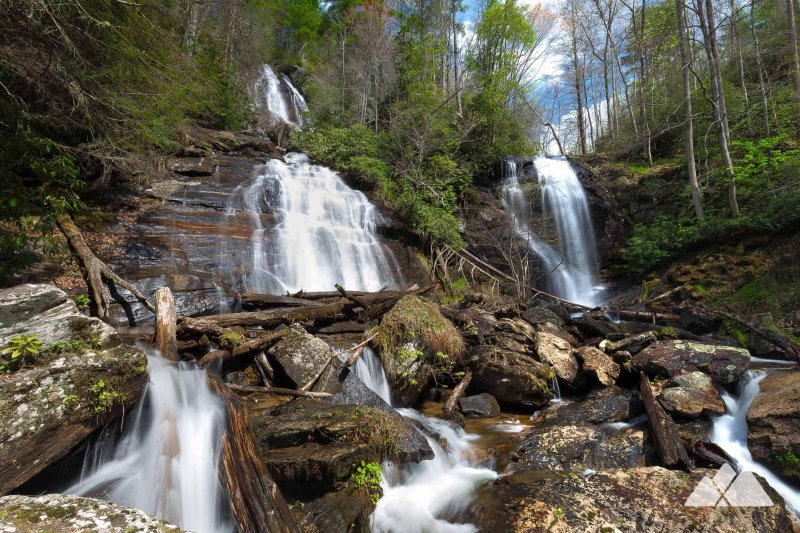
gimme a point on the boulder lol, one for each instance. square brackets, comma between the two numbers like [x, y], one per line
[345, 509]
[61, 513]
[636, 499]
[541, 314]
[479, 406]
[300, 355]
[700, 321]
[309, 441]
[190, 166]
[670, 358]
[84, 378]
[633, 344]
[579, 447]
[612, 404]
[512, 378]
[774, 423]
[557, 353]
[691, 395]
[409, 374]
[593, 326]
[598, 366]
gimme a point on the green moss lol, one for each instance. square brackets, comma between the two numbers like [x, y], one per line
[667, 333]
[231, 339]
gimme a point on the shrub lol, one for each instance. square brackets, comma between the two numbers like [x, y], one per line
[20, 350]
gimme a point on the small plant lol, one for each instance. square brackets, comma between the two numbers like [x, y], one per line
[82, 301]
[95, 342]
[21, 349]
[56, 348]
[368, 476]
[789, 461]
[105, 397]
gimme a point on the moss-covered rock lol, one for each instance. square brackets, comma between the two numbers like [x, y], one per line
[84, 378]
[60, 513]
[670, 358]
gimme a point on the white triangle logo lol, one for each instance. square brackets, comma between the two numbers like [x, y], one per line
[728, 489]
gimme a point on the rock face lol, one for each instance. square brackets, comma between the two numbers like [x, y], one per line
[670, 358]
[479, 406]
[637, 499]
[59, 513]
[691, 395]
[307, 441]
[557, 353]
[300, 355]
[774, 423]
[73, 389]
[580, 447]
[598, 366]
[511, 377]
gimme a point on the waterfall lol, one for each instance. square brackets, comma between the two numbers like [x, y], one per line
[430, 495]
[166, 461]
[268, 93]
[323, 232]
[730, 434]
[571, 265]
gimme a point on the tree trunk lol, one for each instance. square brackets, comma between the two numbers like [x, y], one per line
[192, 25]
[450, 408]
[670, 447]
[760, 66]
[165, 334]
[95, 272]
[795, 55]
[697, 198]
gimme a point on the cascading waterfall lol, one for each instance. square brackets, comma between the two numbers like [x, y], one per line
[166, 462]
[269, 94]
[323, 232]
[730, 434]
[571, 264]
[430, 495]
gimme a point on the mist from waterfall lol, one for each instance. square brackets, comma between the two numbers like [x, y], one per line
[166, 462]
[570, 263]
[310, 231]
[280, 99]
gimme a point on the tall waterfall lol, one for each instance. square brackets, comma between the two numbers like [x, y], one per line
[730, 433]
[282, 101]
[430, 495]
[166, 462]
[570, 262]
[310, 231]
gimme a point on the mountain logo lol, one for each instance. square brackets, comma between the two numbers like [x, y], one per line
[727, 489]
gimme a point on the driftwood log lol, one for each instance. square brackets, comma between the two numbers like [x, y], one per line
[279, 391]
[165, 329]
[669, 444]
[256, 503]
[95, 272]
[450, 408]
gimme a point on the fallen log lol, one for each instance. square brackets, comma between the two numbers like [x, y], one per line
[791, 349]
[669, 444]
[165, 330]
[264, 369]
[95, 272]
[327, 295]
[279, 391]
[643, 316]
[261, 342]
[216, 324]
[271, 300]
[256, 503]
[450, 408]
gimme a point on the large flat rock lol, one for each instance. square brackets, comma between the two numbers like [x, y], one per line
[668, 359]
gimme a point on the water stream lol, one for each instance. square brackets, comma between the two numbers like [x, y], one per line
[166, 461]
[570, 263]
[270, 96]
[431, 495]
[730, 434]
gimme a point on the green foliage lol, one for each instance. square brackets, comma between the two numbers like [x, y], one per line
[369, 476]
[231, 339]
[20, 350]
[789, 461]
[414, 319]
[82, 301]
[105, 397]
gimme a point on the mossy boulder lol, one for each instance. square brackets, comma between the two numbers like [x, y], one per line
[84, 378]
[513, 378]
[300, 356]
[60, 513]
[670, 358]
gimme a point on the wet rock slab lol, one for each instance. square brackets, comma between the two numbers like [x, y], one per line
[670, 358]
[637, 499]
[307, 440]
[59, 513]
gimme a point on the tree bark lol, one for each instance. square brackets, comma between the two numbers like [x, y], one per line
[669, 444]
[697, 198]
[165, 331]
[795, 55]
[96, 273]
[450, 407]
[760, 66]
